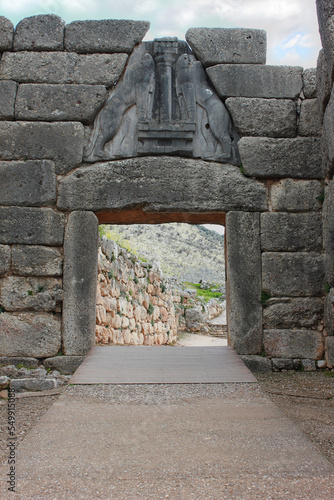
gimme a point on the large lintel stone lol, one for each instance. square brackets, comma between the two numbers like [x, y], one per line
[161, 184]
[42, 32]
[48, 102]
[34, 226]
[6, 34]
[289, 195]
[108, 35]
[30, 334]
[7, 99]
[323, 82]
[228, 45]
[325, 11]
[292, 344]
[35, 260]
[35, 294]
[288, 313]
[263, 117]
[292, 274]
[30, 183]
[61, 141]
[310, 123]
[5, 259]
[274, 158]
[246, 80]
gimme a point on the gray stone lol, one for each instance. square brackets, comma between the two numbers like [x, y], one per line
[257, 364]
[30, 384]
[4, 381]
[80, 278]
[37, 261]
[104, 36]
[293, 313]
[329, 313]
[64, 364]
[31, 226]
[297, 363]
[329, 354]
[329, 128]
[310, 83]
[36, 294]
[280, 364]
[270, 158]
[292, 274]
[7, 99]
[309, 365]
[323, 82]
[170, 184]
[289, 195]
[321, 364]
[42, 32]
[63, 142]
[6, 34]
[246, 80]
[325, 11]
[233, 45]
[244, 279]
[30, 334]
[62, 67]
[293, 343]
[5, 259]
[281, 232]
[28, 183]
[310, 123]
[59, 102]
[195, 319]
[17, 360]
[263, 117]
[10, 371]
[328, 230]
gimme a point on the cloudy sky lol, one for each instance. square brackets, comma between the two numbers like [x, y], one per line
[291, 25]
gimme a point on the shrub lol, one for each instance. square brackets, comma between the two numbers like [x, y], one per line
[150, 308]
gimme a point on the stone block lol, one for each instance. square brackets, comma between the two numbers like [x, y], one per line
[263, 117]
[18, 360]
[30, 334]
[246, 80]
[64, 364]
[329, 354]
[37, 261]
[291, 344]
[48, 102]
[289, 195]
[281, 232]
[309, 365]
[329, 128]
[257, 364]
[289, 313]
[244, 278]
[106, 36]
[80, 279]
[42, 32]
[323, 82]
[28, 183]
[274, 158]
[329, 313]
[31, 226]
[310, 83]
[171, 183]
[5, 259]
[280, 364]
[6, 34]
[328, 231]
[31, 384]
[325, 11]
[63, 142]
[7, 99]
[292, 274]
[62, 67]
[36, 294]
[233, 45]
[310, 123]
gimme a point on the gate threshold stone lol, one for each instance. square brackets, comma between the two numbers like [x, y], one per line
[161, 365]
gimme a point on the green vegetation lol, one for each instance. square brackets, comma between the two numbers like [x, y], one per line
[30, 292]
[327, 288]
[162, 287]
[150, 308]
[328, 373]
[265, 296]
[321, 197]
[204, 294]
[135, 279]
[110, 275]
[41, 288]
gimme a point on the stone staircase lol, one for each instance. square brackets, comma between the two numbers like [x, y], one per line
[218, 330]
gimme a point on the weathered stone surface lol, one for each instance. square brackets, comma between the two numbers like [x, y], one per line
[293, 344]
[64, 364]
[104, 36]
[263, 117]
[62, 67]
[195, 319]
[292, 313]
[63, 142]
[310, 83]
[309, 365]
[5, 259]
[30, 334]
[329, 128]
[42, 32]
[59, 102]
[328, 230]
[36, 294]
[325, 11]
[4, 381]
[292, 274]
[300, 157]
[34, 226]
[37, 261]
[233, 45]
[171, 183]
[257, 364]
[7, 99]
[28, 183]
[18, 360]
[310, 123]
[289, 195]
[80, 278]
[31, 384]
[323, 82]
[244, 279]
[329, 313]
[246, 80]
[280, 364]
[6, 34]
[281, 232]
[330, 352]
